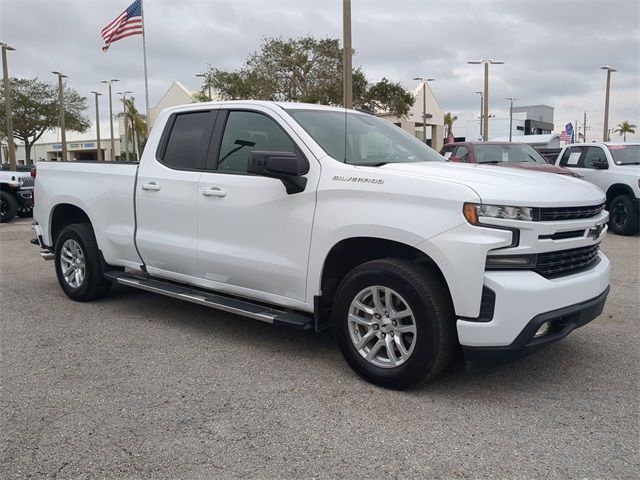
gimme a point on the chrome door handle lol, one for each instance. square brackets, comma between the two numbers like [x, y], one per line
[214, 192]
[153, 186]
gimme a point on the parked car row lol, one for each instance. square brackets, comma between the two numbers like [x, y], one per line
[16, 195]
[614, 167]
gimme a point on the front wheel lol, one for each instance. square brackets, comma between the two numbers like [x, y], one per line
[8, 207]
[78, 264]
[394, 323]
[623, 219]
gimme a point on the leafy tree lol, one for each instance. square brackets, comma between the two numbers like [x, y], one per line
[35, 110]
[308, 70]
[136, 122]
[449, 119]
[624, 128]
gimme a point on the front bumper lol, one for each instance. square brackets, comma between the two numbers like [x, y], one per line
[562, 322]
[521, 296]
[25, 198]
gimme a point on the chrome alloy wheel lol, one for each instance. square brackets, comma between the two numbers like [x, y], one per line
[382, 326]
[72, 263]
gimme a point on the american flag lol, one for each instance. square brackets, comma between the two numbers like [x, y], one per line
[126, 24]
[565, 137]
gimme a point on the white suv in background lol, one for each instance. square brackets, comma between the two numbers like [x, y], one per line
[615, 168]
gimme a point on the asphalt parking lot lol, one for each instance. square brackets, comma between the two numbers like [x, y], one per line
[143, 386]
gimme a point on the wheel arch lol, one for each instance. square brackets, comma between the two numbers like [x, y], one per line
[348, 253]
[618, 189]
[64, 214]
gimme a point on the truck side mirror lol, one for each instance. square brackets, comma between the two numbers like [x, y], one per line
[600, 164]
[285, 166]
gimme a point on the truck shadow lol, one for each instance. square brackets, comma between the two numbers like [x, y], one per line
[536, 373]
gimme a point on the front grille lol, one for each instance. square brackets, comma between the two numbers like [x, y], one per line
[25, 181]
[569, 213]
[566, 261]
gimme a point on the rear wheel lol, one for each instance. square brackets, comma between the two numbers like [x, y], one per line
[394, 323]
[623, 219]
[8, 207]
[78, 264]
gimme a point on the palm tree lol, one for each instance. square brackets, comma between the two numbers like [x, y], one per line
[448, 124]
[624, 128]
[136, 123]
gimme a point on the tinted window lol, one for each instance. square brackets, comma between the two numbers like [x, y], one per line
[248, 131]
[570, 157]
[188, 141]
[447, 151]
[462, 153]
[593, 154]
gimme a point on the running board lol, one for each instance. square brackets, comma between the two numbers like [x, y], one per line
[245, 308]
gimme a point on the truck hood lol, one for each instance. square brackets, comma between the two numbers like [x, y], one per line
[540, 167]
[505, 186]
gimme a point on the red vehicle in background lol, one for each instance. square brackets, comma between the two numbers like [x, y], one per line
[512, 155]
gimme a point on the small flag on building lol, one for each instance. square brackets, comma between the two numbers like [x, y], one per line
[126, 24]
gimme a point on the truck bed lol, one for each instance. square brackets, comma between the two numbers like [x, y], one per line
[104, 190]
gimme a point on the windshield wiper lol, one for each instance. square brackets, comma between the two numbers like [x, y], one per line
[370, 164]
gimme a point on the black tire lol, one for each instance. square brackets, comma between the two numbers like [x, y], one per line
[94, 285]
[429, 300]
[623, 218]
[8, 207]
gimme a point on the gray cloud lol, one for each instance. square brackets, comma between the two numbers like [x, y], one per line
[553, 49]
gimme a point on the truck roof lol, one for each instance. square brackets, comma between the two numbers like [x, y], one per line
[283, 105]
[608, 144]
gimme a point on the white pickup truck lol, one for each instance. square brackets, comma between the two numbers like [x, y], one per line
[615, 168]
[316, 217]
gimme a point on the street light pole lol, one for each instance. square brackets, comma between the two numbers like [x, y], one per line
[511, 99]
[109, 82]
[424, 81]
[63, 135]
[347, 54]
[605, 130]
[11, 147]
[481, 109]
[208, 81]
[126, 123]
[485, 128]
[98, 149]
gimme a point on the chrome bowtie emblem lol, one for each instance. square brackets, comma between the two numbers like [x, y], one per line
[594, 232]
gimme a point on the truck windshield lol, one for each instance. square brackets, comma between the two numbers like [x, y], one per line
[625, 154]
[508, 152]
[362, 139]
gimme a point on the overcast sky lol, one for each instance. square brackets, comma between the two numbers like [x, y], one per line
[553, 49]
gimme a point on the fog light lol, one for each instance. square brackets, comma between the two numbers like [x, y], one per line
[543, 330]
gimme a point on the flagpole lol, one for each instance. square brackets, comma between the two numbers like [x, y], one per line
[146, 78]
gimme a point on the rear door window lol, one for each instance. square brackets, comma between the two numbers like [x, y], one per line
[188, 140]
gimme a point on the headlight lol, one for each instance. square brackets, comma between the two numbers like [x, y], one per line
[500, 262]
[473, 212]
